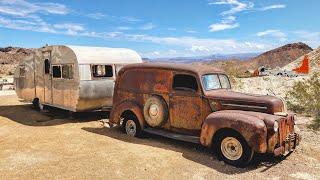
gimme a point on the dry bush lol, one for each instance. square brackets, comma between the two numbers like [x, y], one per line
[304, 98]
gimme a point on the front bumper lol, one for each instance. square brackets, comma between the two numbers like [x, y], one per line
[288, 145]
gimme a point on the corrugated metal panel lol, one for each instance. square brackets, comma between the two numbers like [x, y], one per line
[103, 55]
[84, 71]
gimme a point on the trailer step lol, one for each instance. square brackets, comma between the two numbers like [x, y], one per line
[171, 135]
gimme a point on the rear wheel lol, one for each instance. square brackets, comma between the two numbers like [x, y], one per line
[233, 149]
[131, 126]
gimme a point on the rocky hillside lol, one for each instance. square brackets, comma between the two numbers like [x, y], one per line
[10, 57]
[314, 60]
[279, 57]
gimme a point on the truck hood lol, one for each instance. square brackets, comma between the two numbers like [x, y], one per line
[229, 100]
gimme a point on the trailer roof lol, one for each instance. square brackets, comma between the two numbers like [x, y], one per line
[98, 55]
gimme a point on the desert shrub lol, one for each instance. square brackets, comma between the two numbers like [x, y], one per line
[304, 98]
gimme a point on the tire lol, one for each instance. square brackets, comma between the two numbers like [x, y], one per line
[37, 105]
[233, 149]
[131, 126]
[155, 111]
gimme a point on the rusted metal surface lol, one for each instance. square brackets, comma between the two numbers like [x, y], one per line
[202, 113]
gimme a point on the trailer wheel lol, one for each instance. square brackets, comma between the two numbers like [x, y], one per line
[233, 149]
[155, 111]
[37, 105]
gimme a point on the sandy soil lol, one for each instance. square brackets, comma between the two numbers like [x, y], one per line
[36, 145]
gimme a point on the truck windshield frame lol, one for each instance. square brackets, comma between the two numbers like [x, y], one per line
[215, 81]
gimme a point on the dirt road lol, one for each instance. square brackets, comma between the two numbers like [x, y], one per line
[37, 145]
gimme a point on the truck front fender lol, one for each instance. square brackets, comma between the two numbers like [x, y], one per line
[251, 128]
[124, 106]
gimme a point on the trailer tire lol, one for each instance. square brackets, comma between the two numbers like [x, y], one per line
[37, 105]
[155, 111]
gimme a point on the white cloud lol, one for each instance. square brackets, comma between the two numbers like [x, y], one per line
[195, 48]
[71, 28]
[308, 37]
[228, 20]
[273, 33]
[205, 44]
[276, 6]
[129, 19]
[148, 26]
[191, 31]
[236, 6]
[222, 26]
[124, 28]
[24, 8]
[96, 15]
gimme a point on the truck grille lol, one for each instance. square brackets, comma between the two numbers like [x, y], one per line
[286, 130]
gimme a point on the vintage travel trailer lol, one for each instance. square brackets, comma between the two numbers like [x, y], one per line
[75, 78]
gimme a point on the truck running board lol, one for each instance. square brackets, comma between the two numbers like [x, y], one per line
[180, 137]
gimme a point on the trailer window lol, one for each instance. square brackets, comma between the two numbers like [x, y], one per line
[102, 71]
[67, 71]
[46, 66]
[185, 82]
[56, 71]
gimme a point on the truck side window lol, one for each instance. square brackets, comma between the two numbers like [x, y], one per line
[67, 71]
[46, 66]
[56, 71]
[185, 82]
[102, 71]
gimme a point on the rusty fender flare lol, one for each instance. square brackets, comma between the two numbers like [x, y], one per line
[125, 106]
[251, 128]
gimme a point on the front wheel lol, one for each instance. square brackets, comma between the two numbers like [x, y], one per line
[233, 149]
[132, 127]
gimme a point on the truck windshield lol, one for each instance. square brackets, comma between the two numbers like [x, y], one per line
[215, 81]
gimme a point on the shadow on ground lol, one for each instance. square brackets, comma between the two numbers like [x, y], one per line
[26, 115]
[190, 151]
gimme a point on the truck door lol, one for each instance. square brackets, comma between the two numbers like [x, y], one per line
[47, 78]
[185, 103]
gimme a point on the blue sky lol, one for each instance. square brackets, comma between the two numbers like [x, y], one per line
[166, 28]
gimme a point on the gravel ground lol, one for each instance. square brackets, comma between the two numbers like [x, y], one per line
[45, 145]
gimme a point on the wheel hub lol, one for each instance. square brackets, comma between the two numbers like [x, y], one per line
[131, 128]
[231, 148]
[153, 110]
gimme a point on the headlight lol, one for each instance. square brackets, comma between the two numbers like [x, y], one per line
[275, 126]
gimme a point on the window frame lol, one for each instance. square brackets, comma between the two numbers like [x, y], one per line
[72, 69]
[218, 75]
[59, 65]
[102, 77]
[187, 90]
[61, 70]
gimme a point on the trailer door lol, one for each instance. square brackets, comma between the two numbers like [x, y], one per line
[47, 78]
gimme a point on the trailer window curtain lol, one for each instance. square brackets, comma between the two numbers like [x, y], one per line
[102, 71]
[67, 71]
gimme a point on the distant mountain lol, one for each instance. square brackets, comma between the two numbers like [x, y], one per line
[279, 57]
[195, 59]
